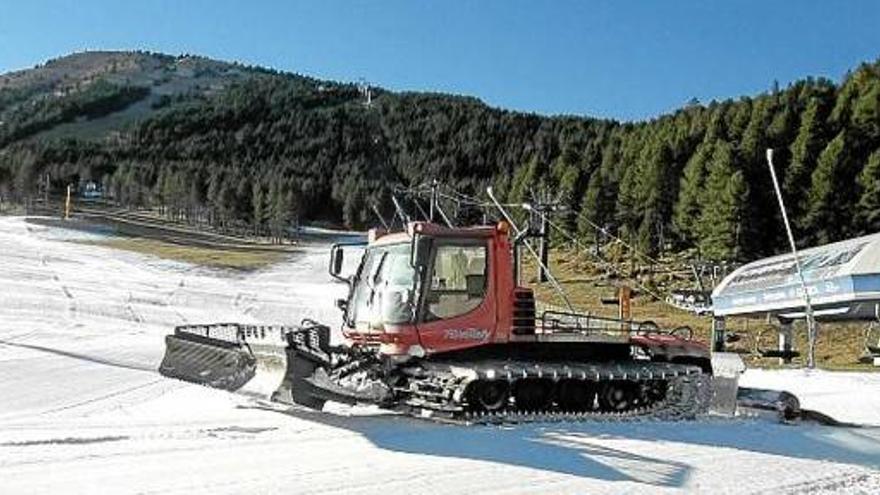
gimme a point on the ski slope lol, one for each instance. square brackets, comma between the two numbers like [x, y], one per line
[82, 409]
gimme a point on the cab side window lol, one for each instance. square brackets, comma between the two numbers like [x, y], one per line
[458, 281]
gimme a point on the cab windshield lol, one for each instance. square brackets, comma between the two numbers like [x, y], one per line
[383, 287]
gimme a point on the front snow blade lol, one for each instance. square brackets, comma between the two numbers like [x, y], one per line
[295, 387]
[307, 356]
[207, 361]
[266, 362]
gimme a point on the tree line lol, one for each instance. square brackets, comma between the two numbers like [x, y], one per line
[278, 148]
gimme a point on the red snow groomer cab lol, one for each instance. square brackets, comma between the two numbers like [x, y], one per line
[435, 325]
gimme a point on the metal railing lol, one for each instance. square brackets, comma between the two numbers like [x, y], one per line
[570, 322]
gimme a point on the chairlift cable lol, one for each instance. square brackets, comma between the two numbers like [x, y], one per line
[531, 250]
[613, 268]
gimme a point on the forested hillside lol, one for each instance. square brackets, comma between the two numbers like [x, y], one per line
[249, 146]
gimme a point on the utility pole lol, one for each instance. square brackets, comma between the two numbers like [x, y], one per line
[540, 212]
[433, 198]
[366, 92]
[624, 302]
[544, 248]
[67, 204]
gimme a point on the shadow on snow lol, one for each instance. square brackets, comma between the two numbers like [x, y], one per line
[580, 449]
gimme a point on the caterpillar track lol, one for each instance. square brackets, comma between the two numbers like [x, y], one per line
[487, 391]
[519, 392]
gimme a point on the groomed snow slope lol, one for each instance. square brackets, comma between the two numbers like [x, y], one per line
[82, 409]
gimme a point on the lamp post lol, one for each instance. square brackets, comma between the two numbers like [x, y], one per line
[808, 309]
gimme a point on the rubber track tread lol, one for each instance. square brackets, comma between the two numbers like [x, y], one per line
[688, 391]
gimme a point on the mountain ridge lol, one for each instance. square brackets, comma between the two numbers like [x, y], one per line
[254, 146]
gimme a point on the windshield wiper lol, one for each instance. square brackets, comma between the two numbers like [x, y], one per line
[371, 280]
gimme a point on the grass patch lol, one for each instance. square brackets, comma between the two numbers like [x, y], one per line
[228, 258]
[838, 347]
[7, 208]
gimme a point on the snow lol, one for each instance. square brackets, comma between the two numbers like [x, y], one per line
[84, 411]
[853, 397]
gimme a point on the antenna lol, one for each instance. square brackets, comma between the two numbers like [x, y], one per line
[415, 201]
[443, 215]
[379, 215]
[811, 323]
[435, 204]
[404, 218]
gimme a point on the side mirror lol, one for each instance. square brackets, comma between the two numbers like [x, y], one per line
[337, 256]
[421, 251]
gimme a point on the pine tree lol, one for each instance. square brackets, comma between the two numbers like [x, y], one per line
[567, 179]
[591, 207]
[866, 110]
[826, 216]
[275, 208]
[653, 192]
[738, 119]
[353, 203]
[525, 180]
[628, 214]
[754, 141]
[756, 222]
[216, 185]
[846, 96]
[598, 205]
[687, 209]
[804, 153]
[782, 127]
[195, 198]
[567, 191]
[718, 123]
[282, 213]
[868, 207]
[159, 191]
[258, 200]
[722, 203]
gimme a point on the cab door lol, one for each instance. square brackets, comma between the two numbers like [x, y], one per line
[457, 310]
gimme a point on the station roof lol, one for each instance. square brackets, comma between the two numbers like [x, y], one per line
[842, 278]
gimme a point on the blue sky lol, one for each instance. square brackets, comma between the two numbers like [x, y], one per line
[617, 59]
